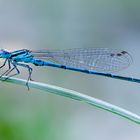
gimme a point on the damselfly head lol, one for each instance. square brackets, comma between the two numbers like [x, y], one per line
[3, 53]
[1, 50]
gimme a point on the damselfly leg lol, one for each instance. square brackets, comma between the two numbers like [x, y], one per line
[15, 64]
[9, 67]
[14, 67]
[29, 70]
[3, 63]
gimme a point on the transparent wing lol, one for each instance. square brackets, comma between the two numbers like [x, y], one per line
[97, 59]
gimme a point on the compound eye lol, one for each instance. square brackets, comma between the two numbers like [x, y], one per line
[1, 50]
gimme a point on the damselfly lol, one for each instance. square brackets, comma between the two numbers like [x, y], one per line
[98, 61]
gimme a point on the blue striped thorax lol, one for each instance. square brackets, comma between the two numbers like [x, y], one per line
[21, 55]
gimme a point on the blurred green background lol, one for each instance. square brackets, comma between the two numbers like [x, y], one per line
[53, 24]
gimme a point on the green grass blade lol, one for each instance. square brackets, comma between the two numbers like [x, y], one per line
[78, 96]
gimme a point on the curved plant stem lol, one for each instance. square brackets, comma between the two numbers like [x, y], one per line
[78, 96]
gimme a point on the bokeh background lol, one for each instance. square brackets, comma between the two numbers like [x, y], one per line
[63, 24]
